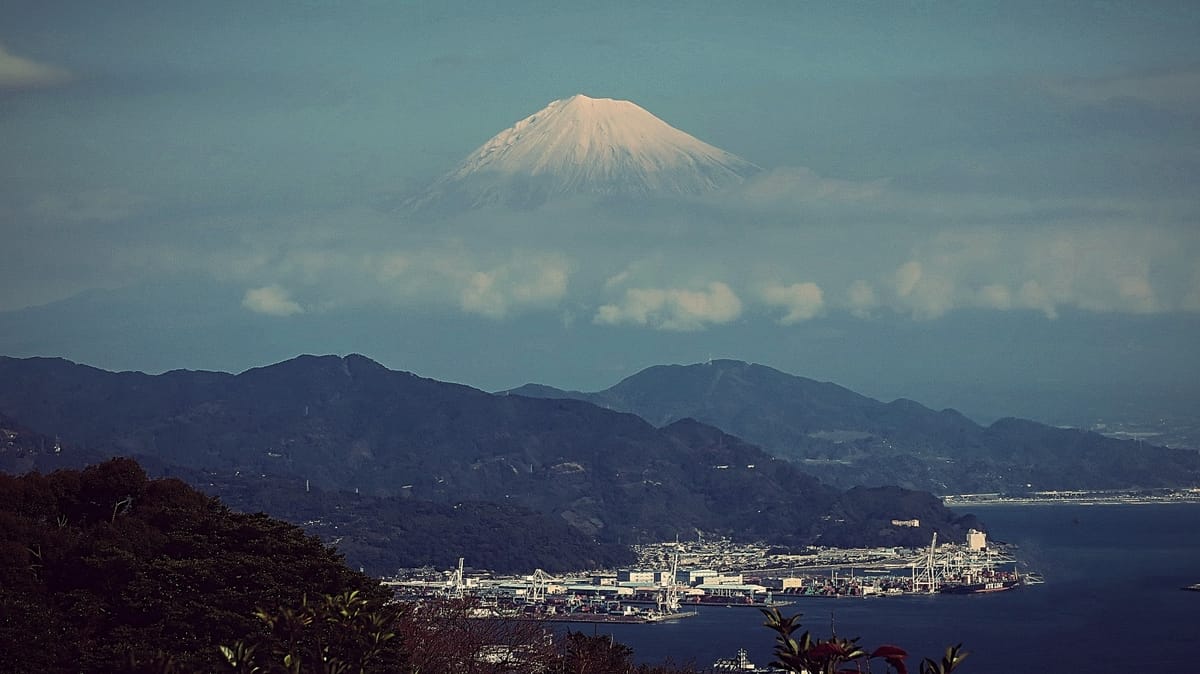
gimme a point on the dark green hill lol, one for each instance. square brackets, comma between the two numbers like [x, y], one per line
[103, 563]
[848, 439]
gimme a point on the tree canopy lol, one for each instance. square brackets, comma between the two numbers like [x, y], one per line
[103, 564]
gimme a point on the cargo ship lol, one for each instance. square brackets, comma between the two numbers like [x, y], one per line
[624, 616]
[980, 588]
[731, 601]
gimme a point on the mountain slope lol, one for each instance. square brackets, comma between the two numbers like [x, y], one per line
[848, 439]
[583, 146]
[351, 424]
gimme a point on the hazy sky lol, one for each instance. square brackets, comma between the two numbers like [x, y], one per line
[988, 205]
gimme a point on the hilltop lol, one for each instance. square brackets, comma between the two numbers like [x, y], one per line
[351, 425]
[849, 439]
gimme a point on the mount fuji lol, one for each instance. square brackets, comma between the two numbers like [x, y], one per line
[582, 146]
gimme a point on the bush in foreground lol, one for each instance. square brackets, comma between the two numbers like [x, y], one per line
[830, 656]
[103, 565]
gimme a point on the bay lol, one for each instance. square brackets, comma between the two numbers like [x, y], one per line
[1111, 602]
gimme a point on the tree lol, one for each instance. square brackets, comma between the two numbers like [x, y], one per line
[595, 655]
[337, 634]
[449, 636]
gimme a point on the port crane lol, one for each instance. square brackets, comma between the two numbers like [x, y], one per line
[955, 564]
[925, 571]
[539, 581]
[667, 600]
[456, 584]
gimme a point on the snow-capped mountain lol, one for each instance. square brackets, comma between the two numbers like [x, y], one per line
[585, 146]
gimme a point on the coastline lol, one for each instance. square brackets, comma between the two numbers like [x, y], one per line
[1119, 571]
[1083, 498]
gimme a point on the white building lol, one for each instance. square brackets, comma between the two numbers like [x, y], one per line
[976, 540]
[724, 579]
[638, 576]
[779, 584]
[694, 576]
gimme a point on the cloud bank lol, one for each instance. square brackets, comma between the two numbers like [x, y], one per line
[676, 309]
[271, 300]
[21, 73]
[800, 301]
[667, 273]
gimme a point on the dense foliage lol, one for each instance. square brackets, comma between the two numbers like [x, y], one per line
[383, 534]
[103, 564]
[335, 634]
[105, 570]
[439, 637]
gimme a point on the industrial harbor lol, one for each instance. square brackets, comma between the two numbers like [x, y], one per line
[674, 579]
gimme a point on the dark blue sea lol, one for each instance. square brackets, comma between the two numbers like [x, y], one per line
[1111, 602]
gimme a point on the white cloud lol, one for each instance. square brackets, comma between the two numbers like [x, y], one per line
[1102, 269]
[1137, 295]
[648, 270]
[620, 270]
[271, 300]
[933, 298]
[861, 298]
[1033, 296]
[801, 301]
[673, 308]
[484, 283]
[921, 293]
[995, 296]
[22, 73]
[618, 279]
[526, 282]
[907, 277]
[1099, 268]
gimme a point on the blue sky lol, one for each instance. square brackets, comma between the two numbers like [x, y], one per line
[953, 192]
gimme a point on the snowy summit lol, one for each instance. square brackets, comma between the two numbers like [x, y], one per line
[586, 146]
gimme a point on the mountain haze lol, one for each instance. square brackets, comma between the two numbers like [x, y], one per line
[350, 424]
[583, 146]
[850, 439]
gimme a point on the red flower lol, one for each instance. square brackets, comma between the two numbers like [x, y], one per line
[894, 656]
[826, 650]
[889, 652]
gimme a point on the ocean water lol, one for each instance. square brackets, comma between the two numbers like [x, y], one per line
[1111, 602]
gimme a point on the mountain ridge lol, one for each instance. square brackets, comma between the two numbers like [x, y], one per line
[848, 439]
[350, 424]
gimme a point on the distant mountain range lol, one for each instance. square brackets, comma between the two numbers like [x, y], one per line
[583, 146]
[350, 425]
[848, 439]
